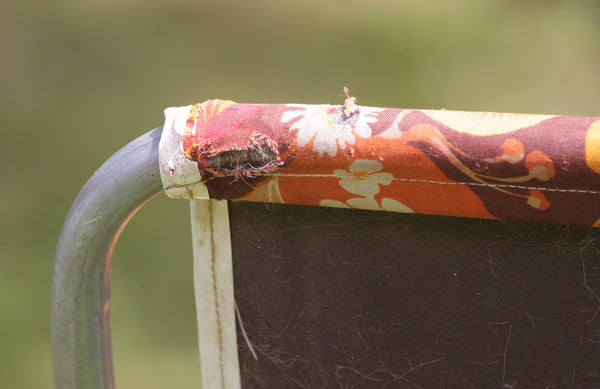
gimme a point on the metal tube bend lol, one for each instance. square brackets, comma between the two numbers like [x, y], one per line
[81, 345]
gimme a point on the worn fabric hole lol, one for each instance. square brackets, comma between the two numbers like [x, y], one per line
[257, 157]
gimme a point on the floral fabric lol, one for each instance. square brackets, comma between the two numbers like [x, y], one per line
[541, 168]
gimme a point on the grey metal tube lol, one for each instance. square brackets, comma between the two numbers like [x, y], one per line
[81, 345]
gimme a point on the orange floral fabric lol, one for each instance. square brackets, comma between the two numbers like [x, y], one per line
[540, 168]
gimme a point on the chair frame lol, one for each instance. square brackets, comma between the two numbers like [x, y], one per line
[81, 342]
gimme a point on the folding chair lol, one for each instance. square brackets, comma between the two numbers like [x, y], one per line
[347, 246]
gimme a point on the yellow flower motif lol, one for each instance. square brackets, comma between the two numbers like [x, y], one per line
[363, 179]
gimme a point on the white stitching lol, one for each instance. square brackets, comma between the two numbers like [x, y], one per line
[418, 180]
[511, 186]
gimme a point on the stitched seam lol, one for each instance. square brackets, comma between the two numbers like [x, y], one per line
[419, 180]
[213, 269]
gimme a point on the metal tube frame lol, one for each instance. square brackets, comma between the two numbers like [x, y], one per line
[81, 344]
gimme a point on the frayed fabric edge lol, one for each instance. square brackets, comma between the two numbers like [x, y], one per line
[180, 176]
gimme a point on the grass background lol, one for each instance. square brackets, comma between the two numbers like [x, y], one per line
[80, 79]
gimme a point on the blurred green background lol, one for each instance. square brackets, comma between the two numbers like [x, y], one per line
[80, 79]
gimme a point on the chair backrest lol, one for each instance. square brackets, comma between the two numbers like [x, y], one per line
[329, 296]
[366, 299]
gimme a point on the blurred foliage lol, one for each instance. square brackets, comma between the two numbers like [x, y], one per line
[81, 79]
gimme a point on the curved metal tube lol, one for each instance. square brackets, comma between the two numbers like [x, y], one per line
[81, 345]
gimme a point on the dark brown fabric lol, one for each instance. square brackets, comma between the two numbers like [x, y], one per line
[338, 298]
